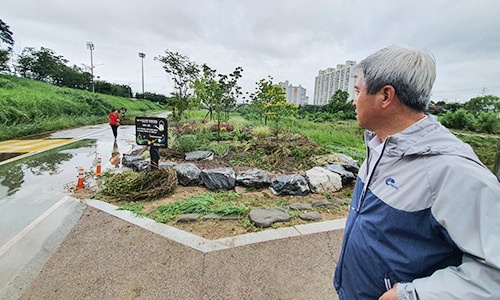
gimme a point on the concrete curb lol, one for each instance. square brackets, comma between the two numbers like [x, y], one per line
[205, 245]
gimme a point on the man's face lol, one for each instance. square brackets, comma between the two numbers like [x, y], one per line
[366, 105]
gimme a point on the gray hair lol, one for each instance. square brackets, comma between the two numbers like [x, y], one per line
[410, 71]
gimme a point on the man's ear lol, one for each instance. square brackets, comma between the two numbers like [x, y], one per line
[389, 94]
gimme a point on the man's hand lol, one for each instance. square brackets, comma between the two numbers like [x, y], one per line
[391, 294]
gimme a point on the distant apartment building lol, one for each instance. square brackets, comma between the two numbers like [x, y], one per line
[332, 79]
[295, 94]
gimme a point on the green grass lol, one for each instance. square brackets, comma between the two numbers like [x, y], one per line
[340, 136]
[223, 204]
[30, 107]
[484, 145]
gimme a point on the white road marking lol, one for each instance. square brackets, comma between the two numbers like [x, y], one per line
[33, 224]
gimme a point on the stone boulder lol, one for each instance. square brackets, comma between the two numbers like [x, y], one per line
[348, 162]
[199, 155]
[188, 218]
[129, 160]
[323, 181]
[219, 179]
[294, 185]
[188, 174]
[347, 177]
[140, 165]
[323, 203]
[253, 178]
[310, 216]
[263, 217]
[300, 206]
[166, 165]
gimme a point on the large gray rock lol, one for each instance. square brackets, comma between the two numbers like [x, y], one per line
[128, 160]
[188, 174]
[219, 179]
[263, 217]
[338, 168]
[301, 206]
[187, 218]
[199, 155]
[253, 178]
[140, 165]
[323, 181]
[166, 164]
[310, 216]
[346, 159]
[294, 185]
[348, 163]
[323, 203]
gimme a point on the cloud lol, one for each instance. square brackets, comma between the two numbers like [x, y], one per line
[288, 40]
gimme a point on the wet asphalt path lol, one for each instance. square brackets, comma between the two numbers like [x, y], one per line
[36, 209]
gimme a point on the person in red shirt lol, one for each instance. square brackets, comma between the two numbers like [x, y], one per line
[114, 121]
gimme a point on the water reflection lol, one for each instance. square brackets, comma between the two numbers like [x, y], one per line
[49, 163]
[115, 159]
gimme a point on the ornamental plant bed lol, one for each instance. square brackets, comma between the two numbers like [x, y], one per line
[277, 155]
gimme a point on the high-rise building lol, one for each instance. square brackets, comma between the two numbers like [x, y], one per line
[295, 94]
[332, 79]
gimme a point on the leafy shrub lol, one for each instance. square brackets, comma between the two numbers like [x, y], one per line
[219, 149]
[261, 132]
[186, 143]
[487, 122]
[461, 119]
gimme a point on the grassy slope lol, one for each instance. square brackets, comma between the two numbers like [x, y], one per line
[29, 107]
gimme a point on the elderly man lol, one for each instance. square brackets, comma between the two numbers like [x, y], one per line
[425, 213]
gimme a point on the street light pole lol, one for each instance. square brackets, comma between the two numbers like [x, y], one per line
[90, 46]
[142, 55]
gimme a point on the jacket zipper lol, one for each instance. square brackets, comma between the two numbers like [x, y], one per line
[365, 187]
[361, 199]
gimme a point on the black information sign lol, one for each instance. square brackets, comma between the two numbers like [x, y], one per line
[151, 131]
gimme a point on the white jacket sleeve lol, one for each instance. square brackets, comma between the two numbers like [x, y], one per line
[467, 205]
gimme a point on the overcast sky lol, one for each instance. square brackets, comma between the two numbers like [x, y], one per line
[287, 40]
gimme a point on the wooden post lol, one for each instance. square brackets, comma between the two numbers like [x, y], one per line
[155, 157]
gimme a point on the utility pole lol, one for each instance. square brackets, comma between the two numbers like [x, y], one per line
[90, 46]
[142, 55]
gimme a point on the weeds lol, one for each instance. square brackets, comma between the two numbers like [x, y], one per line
[223, 204]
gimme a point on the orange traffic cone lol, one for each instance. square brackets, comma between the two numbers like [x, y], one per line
[80, 186]
[98, 171]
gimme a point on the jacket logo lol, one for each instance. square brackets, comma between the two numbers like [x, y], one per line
[392, 183]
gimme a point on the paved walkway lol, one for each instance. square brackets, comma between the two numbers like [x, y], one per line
[111, 254]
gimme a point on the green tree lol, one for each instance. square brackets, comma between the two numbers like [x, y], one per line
[4, 59]
[266, 93]
[159, 98]
[6, 35]
[279, 109]
[218, 92]
[487, 103]
[5, 38]
[43, 64]
[340, 105]
[452, 107]
[183, 71]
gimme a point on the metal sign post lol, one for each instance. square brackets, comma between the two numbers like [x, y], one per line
[152, 132]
